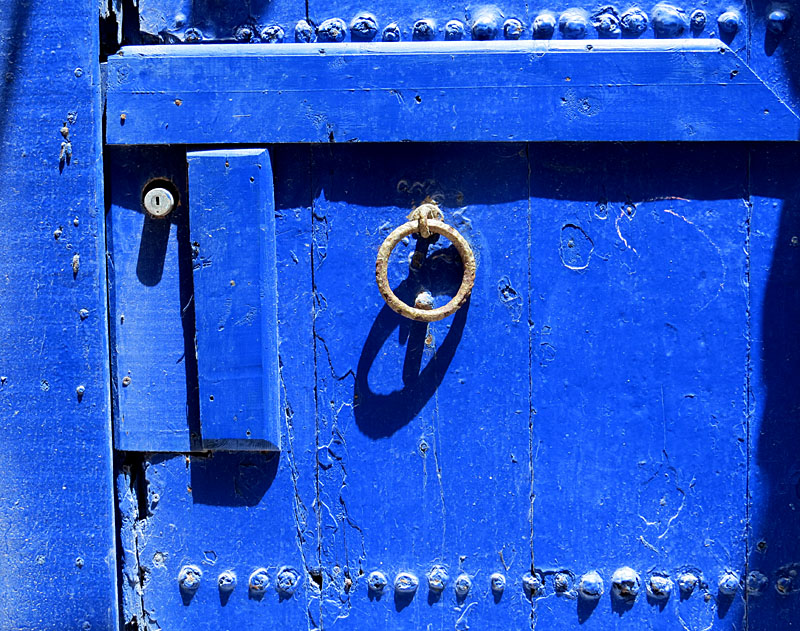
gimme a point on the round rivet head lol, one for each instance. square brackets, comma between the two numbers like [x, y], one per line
[756, 583]
[258, 582]
[728, 583]
[424, 30]
[189, 578]
[544, 26]
[454, 31]
[303, 32]
[513, 29]
[364, 27]
[158, 202]
[377, 581]
[192, 35]
[784, 585]
[633, 22]
[562, 582]
[484, 27]
[406, 583]
[697, 20]
[437, 578]
[607, 23]
[688, 582]
[668, 21]
[573, 24]
[659, 587]
[462, 585]
[591, 586]
[287, 581]
[531, 583]
[272, 34]
[625, 583]
[729, 22]
[778, 21]
[332, 30]
[244, 33]
[226, 581]
[497, 582]
[391, 33]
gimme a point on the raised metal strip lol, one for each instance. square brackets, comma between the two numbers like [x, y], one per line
[622, 90]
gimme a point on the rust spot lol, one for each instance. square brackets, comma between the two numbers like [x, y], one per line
[178, 102]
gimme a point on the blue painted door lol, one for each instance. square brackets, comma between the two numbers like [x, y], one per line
[601, 436]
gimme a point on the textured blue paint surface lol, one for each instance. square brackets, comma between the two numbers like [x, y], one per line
[151, 306]
[696, 90]
[232, 228]
[57, 557]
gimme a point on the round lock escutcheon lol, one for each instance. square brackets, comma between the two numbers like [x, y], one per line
[421, 222]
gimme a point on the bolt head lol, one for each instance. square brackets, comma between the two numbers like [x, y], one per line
[531, 583]
[287, 581]
[729, 22]
[258, 581]
[454, 31]
[158, 202]
[687, 582]
[437, 578]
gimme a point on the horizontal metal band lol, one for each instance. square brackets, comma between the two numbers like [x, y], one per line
[588, 90]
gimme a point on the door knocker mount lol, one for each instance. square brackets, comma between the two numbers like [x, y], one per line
[426, 219]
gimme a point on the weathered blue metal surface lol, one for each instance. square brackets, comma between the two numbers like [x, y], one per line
[56, 494]
[457, 91]
[232, 228]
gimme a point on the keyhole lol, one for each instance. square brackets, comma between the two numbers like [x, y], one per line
[158, 201]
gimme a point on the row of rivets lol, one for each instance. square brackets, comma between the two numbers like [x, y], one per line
[668, 21]
[287, 581]
[626, 583]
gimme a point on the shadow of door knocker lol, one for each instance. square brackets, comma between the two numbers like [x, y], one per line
[426, 219]
[379, 415]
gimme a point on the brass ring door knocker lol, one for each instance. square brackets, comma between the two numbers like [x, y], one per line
[426, 219]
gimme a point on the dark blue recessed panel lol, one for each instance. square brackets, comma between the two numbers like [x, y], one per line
[232, 228]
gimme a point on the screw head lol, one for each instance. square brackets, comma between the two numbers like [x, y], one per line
[158, 202]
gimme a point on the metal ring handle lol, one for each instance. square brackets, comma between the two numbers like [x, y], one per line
[467, 281]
